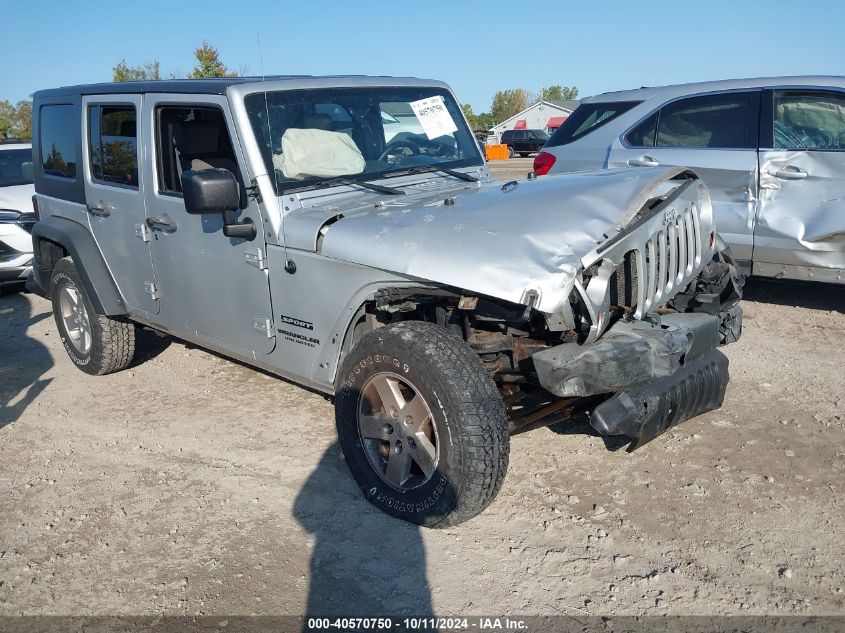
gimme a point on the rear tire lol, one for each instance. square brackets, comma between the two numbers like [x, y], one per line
[422, 425]
[96, 344]
[510, 151]
[523, 154]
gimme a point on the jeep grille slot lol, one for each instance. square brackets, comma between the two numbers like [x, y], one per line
[624, 283]
[670, 256]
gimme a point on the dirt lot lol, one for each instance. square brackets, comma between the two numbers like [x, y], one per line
[189, 484]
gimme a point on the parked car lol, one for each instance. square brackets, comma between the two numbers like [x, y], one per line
[524, 142]
[772, 152]
[390, 272]
[16, 214]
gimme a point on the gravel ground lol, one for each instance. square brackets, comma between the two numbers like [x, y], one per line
[189, 484]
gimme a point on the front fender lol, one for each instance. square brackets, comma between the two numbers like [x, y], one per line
[78, 242]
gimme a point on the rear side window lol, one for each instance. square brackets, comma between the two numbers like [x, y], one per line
[59, 143]
[586, 118]
[706, 121]
[805, 120]
[112, 144]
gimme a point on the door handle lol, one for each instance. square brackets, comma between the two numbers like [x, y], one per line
[100, 210]
[643, 161]
[790, 172]
[161, 223]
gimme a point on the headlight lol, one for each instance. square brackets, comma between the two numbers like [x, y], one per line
[7, 216]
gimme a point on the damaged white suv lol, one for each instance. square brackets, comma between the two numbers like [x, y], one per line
[282, 223]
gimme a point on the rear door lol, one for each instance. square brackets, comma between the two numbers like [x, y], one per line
[800, 231]
[716, 136]
[114, 193]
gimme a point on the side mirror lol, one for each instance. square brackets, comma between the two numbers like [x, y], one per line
[216, 191]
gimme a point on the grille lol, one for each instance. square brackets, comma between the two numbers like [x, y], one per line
[27, 221]
[669, 258]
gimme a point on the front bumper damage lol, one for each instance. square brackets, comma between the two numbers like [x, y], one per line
[661, 371]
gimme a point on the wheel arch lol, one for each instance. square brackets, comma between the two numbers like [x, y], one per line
[363, 315]
[54, 238]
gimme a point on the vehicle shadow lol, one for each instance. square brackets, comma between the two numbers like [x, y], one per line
[580, 425]
[23, 359]
[149, 343]
[364, 562]
[813, 295]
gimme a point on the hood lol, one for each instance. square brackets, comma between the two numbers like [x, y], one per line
[17, 198]
[508, 241]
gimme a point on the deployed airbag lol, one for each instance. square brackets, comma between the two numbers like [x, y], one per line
[318, 154]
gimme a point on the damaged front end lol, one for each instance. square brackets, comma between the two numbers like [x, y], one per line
[656, 301]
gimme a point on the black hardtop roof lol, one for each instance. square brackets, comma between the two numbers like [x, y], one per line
[183, 86]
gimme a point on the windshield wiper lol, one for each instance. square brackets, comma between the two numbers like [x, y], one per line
[430, 168]
[335, 182]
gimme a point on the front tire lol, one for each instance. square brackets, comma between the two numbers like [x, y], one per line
[96, 344]
[421, 424]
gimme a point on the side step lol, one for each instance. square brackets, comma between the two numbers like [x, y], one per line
[645, 413]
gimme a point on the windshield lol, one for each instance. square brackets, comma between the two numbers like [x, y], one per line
[15, 167]
[309, 136]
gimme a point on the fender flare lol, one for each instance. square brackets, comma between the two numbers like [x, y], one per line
[77, 240]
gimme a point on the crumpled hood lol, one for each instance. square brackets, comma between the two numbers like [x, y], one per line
[501, 241]
[17, 198]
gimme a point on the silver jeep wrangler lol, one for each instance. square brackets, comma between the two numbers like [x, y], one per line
[344, 233]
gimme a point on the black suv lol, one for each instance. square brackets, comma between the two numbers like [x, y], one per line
[524, 142]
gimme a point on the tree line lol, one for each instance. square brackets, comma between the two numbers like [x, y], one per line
[16, 119]
[507, 103]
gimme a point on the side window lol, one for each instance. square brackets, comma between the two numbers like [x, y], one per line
[58, 131]
[804, 120]
[190, 138]
[706, 121]
[112, 144]
[643, 135]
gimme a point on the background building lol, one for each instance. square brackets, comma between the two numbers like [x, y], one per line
[543, 115]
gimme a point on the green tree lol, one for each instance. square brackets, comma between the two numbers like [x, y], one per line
[557, 92]
[484, 121]
[23, 118]
[209, 63]
[467, 108]
[506, 103]
[7, 119]
[144, 72]
[16, 120]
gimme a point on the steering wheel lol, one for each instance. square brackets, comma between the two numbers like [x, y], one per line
[393, 146]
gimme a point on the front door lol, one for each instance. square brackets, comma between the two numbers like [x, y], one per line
[114, 191]
[715, 135]
[210, 286]
[801, 222]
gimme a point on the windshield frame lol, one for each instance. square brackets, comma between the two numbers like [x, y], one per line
[255, 100]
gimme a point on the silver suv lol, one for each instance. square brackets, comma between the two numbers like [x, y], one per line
[771, 151]
[289, 224]
[16, 214]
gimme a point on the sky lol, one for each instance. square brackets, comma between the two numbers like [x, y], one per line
[476, 47]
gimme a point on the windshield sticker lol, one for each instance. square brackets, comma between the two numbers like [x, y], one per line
[434, 117]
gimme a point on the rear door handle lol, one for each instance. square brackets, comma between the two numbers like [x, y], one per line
[643, 161]
[790, 172]
[100, 210]
[161, 223]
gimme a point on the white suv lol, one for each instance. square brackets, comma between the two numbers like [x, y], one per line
[16, 215]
